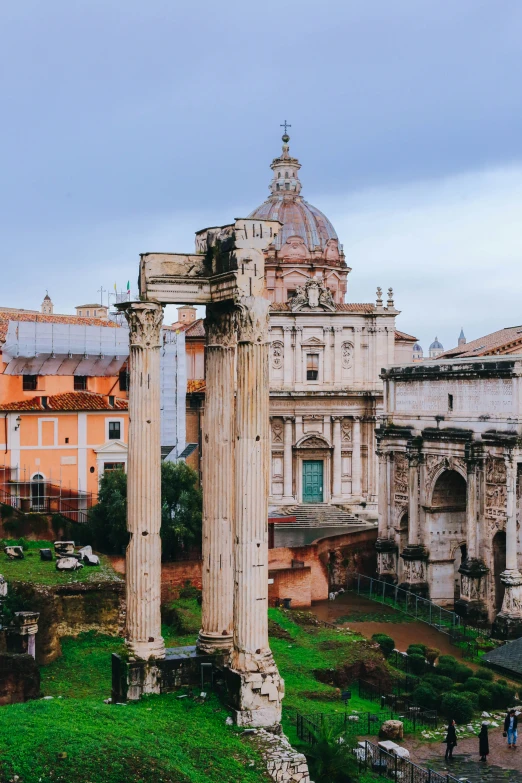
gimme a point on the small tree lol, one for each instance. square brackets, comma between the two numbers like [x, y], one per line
[108, 518]
[181, 513]
[330, 759]
[386, 643]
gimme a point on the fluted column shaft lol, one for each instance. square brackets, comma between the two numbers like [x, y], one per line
[337, 463]
[383, 495]
[143, 566]
[511, 516]
[218, 482]
[356, 457]
[413, 500]
[252, 478]
[471, 511]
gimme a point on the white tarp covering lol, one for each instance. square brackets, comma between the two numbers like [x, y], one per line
[173, 392]
[40, 348]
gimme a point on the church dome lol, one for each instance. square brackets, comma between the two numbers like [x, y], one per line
[306, 233]
[436, 345]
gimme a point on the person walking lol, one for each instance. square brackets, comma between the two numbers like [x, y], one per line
[510, 729]
[451, 740]
[483, 742]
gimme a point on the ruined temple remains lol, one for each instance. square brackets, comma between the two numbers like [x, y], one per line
[450, 463]
[227, 275]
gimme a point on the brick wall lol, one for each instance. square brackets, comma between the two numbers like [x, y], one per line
[173, 575]
[318, 574]
[294, 583]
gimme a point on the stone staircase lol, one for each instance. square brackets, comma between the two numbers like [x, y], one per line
[321, 515]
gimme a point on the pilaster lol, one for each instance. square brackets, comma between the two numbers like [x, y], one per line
[288, 496]
[337, 459]
[508, 623]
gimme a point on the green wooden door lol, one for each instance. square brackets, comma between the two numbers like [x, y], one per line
[313, 481]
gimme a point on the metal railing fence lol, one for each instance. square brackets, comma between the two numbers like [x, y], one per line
[389, 765]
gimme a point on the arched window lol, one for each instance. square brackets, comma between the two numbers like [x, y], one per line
[449, 490]
[37, 492]
[278, 186]
[278, 175]
[286, 174]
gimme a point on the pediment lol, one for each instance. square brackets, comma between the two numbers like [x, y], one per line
[112, 447]
[313, 341]
[313, 441]
[294, 271]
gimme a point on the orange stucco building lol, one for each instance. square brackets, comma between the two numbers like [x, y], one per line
[63, 415]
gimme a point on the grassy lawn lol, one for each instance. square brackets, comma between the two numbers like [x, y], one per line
[165, 739]
[33, 569]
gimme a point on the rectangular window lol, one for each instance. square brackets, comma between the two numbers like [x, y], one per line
[312, 366]
[80, 382]
[450, 402]
[114, 430]
[107, 466]
[29, 382]
[124, 380]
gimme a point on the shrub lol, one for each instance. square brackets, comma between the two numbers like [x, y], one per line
[485, 698]
[189, 591]
[386, 643]
[455, 706]
[417, 649]
[448, 666]
[463, 673]
[425, 696]
[6, 511]
[12, 525]
[432, 653]
[484, 674]
[439, 683]
[475, 685]
[502, 695]
[473, 698]
[416, 664]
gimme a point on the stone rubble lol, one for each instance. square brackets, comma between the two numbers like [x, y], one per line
[284, 764]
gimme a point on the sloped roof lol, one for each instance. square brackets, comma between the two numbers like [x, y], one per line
[404, 336]
[195, 384]
[68, 401]
[194, 329]
[509, 656]
[508, 340]
[17, 315]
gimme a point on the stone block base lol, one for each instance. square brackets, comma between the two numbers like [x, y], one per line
[181, 666]
[419, 588]
[255, 697]
[472, 612]
[283, 763]
[506, 627]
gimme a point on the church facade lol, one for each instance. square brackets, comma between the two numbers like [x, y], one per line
[326, 356]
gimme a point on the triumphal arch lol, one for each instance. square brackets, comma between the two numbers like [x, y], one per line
[227, 275]
[450, 467]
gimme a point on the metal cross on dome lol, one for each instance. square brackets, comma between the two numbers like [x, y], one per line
[285, 125]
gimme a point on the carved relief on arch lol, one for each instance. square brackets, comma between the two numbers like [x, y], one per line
[313, 442]
[401, 479]
[496, 493]
[277, 431]
[276, 354]
[436, 465]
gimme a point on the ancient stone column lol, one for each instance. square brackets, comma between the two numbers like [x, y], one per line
[287, 461]
[143, 567]
[259, 688]
[218, 482]
[413, 500]
[385, 544]
[337, 461]
[508, 623]
[356, 458]
[473, 571]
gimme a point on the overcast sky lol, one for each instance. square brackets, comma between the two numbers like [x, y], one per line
[129, 125]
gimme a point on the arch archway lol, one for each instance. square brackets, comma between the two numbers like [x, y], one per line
[446, 519]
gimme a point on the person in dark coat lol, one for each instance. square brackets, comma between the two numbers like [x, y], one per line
[483, 742]
[451, 740]
[510, 729]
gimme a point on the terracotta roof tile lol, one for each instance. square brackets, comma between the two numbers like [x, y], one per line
[68, 401]
[194, 329]
[404, 336]
[504, 341]
[13, 315]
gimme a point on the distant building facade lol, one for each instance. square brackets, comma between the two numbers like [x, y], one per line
[450, 486]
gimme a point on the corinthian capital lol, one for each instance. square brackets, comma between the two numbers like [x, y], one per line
[220, 325]
[252, 319]
[144, 319]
